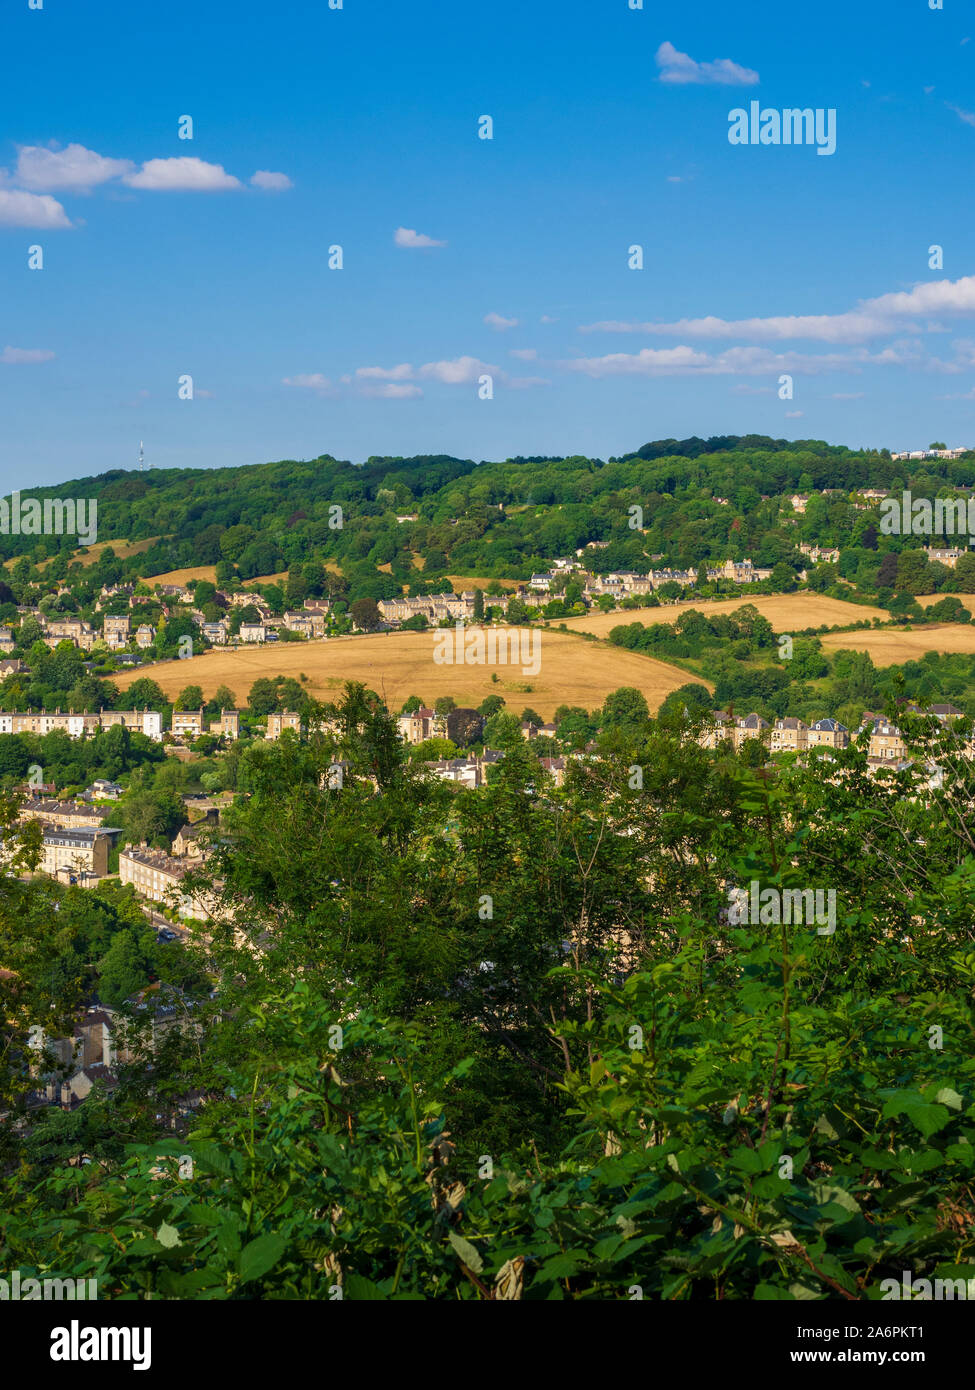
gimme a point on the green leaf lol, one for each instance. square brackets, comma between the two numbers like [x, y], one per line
[805, 1292]
[168, 1236]
[825, 1128]
[827, 1194]
[946, 1096]
[213, 1157]
[361, 1289]
[467, 1252]
[928, 1118]
[260, 1255]
[560, 1266]
[745, 1159]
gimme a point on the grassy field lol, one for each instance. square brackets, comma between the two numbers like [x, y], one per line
[210, 572]
[465, 582]
[892, 647]
[88, 554]
[398, 665]
[184, 576]
[784, 611]
[966, 600]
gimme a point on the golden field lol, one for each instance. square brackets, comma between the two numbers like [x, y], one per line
[462, 582]
[209, 572]
[966, 600]
[891, 647]
[784, 611]
[184, 576]
[88, 554]
[398, 665]
[123, 549]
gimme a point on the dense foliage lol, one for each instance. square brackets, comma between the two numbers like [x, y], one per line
[445, 1043]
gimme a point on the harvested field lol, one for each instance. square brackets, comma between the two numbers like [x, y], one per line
[209, 572]
[892, 647]
[398, 665]
[183, 576]
[785, 612]
[464, 582]
[966, 600]
[88, 554]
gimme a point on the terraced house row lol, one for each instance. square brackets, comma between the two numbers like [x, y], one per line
[78, 723]
[791, 735]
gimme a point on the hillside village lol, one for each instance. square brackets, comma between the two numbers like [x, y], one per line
[77, 841]
[124, 623]
[123, 634]
[171, 811]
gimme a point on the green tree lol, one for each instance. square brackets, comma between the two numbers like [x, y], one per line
[263, 697]
[914, 573]
[125, 968]
[189, 698]
[365, 614]
[145, 693]
[626, 710]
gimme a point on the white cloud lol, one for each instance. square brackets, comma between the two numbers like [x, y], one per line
[12, 356]
[967, 116]
[401, 373]
[547, 318]
[498, 323]
[871, 318]
[309, 381]
[73, 168]
[185, 174]
[406, 236]
[526, 354]
[679, 68]
[646, 362]
[269, 182]
[457, 371]
[965, 351]
[31, 210]
[393, 391]
[794, 414]
[737, 361]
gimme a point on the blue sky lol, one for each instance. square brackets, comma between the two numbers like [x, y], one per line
[610, 129]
